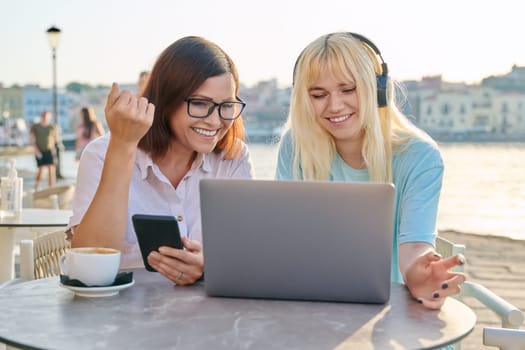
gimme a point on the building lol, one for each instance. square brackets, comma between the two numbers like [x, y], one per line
[492, 110]
[27, 103]
[510, 107]
[457, 111]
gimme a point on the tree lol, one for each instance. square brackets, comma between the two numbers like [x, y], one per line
[77, 87]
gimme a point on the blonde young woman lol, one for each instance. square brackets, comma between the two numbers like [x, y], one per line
[343, 125]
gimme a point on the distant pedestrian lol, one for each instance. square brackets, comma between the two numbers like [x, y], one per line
[43, 137]
[89, 129]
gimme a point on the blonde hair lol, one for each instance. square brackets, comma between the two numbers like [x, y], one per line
[386, 129]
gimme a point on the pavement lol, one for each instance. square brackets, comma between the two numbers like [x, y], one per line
[29, 181]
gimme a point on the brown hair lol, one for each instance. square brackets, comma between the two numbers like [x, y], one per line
[180, 70]
[88, 119]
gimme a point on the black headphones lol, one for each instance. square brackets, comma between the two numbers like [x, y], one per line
[382, 79]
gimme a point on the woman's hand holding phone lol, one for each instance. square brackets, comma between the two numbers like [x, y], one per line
[155, 231]
[182, 266]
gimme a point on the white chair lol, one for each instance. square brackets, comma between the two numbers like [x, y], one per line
[504, 338]
[511, 317]
[39, 257]
[58, 197]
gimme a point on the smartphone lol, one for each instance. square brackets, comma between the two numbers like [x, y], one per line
[154, 231]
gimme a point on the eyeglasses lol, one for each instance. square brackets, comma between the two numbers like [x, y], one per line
[202, 108]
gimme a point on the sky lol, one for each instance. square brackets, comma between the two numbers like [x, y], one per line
[103, 41]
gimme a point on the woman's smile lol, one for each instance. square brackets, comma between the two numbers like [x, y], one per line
[205, 132]
[339, 119]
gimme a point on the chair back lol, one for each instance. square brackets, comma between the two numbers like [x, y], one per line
[447, 249]
[58, 197]
[507, 337]
[504, 338]
[39, 258]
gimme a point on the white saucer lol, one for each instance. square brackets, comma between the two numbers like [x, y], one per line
[97, 292]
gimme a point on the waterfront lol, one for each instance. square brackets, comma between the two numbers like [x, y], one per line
[483, 188]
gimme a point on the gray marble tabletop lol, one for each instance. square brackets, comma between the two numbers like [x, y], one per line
[155, 314]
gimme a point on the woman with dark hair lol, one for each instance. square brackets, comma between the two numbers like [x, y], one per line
[186, 125]
[89, 129]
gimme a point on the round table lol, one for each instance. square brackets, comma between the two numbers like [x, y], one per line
[155, 314]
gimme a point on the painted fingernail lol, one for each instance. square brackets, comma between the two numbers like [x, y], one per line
[444, 286]
[461, 260]
[435, 295]
[420, 301]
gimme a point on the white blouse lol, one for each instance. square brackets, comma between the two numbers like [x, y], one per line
[152, 193]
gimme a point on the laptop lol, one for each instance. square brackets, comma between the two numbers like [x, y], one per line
[297, 240]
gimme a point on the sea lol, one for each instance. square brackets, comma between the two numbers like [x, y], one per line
[483, 186]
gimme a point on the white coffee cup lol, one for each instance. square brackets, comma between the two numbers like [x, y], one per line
[91, 266]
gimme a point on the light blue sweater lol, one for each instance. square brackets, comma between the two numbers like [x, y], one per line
[417, 176]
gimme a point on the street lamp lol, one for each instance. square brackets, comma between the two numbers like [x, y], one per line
[53, 34]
